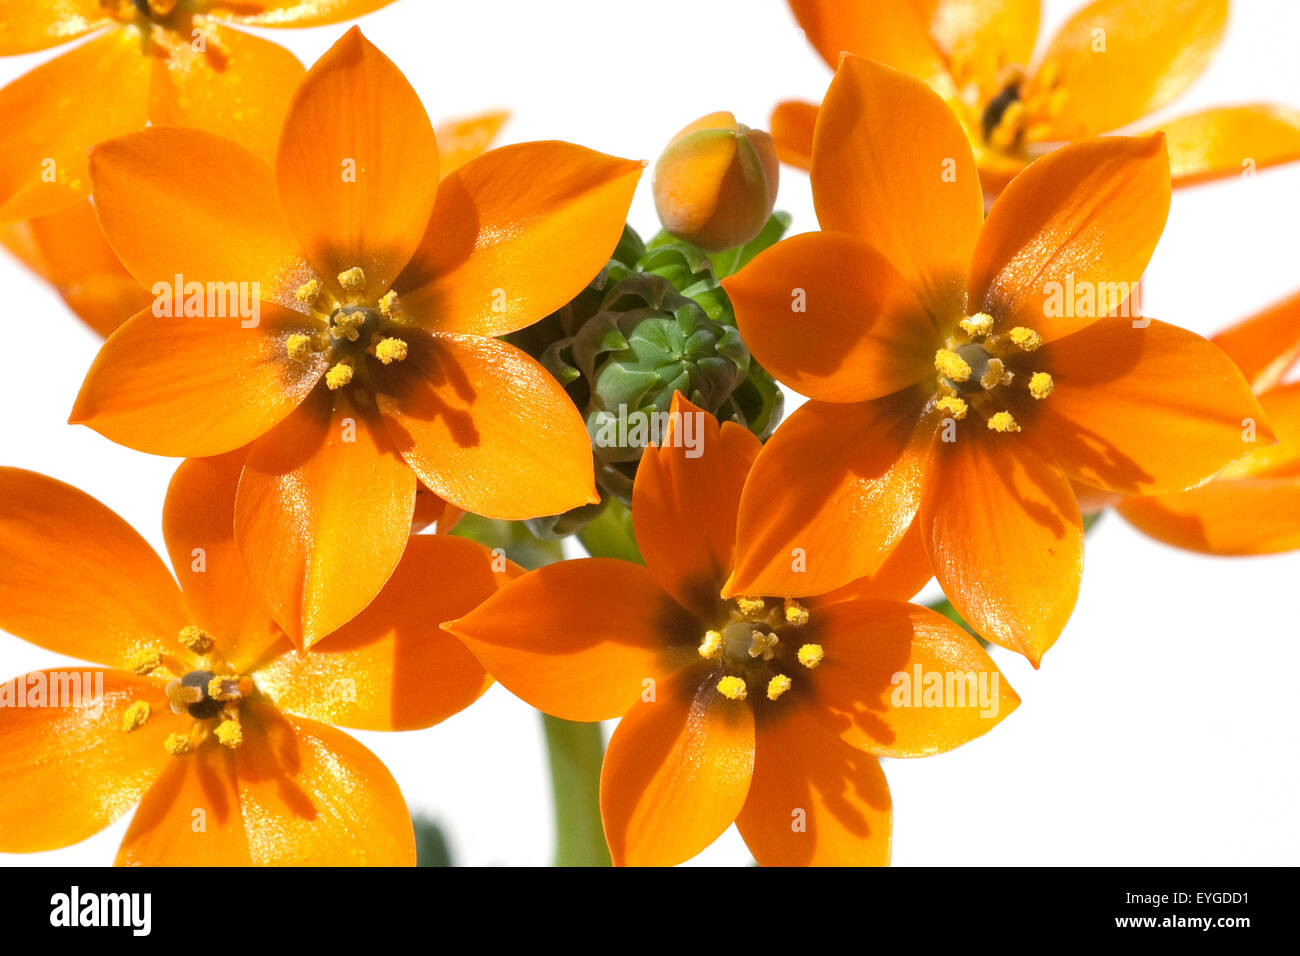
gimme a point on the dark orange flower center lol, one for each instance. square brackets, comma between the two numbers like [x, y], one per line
[977, 365]
[1019, 110]
[349, 328]
[757, 648]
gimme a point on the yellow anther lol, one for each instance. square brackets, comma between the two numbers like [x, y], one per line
[135, 715]
[1026, 339]
[1049, 75]
[1056, 103]
[1041, 385]
[951, 365]
[195, 639]
[1003, 422]
[995, 374]
[347, 325]
[763, 645]
[353, 280]
[810, 655]
[750, 605]
[178, 744]
[160, 8]
[777, 686]
[955, 407]
[309, 292]
[227, 687]
[388, 305]
[711, 646]
[298, 346]
[230, 734]
[338, 376]
[981, 323]
[1008, 128]
[389, 351]
[144, 662]
[732, 688]
[795, 613]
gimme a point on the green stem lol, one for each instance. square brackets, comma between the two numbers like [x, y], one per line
[576, 751]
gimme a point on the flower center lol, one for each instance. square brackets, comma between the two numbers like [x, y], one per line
[348, 327]
[757, 647]
[977, 364]
[128, 11]
[1011, 110]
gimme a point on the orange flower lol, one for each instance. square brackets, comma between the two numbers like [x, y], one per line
[372, 356]
[165, 62]
[68, 250]
[963, 371]
[1111, 64]
[1253, 506]
[208, 715]
[767, 711]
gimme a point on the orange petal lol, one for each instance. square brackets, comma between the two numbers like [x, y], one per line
[38, 26]
[676, 773]
[892, 32]
[195, 386]
[981, 37]
[313, 796]
[684, 504]
[1267, 344]
[827, 315]
[901, 577]
[358, 165]
[391, 667]
[814, 801]
[580, 639]
[239, 86]
[1118, 60]
[1147, 410]
[182, 201]
[75, 578]
[71, 771]
[323, 514]
[1230, 141]
[55, 113]
[516, 234]
[792, 126]
[916, 198]
[1005, 538]
[461, 140]
[487, 428]
[191, 816]
[199, 525]
[1086, 217]
[829, 498]
[293, 13]
[876, 686]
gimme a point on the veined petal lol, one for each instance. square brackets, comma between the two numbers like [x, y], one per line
[26, 27]
[1118, 60]
[684, 504]
[195, 386]
[58, 111]
[238, 86]
[900, 680]
[892, 32]
[1005, 538]
[830, 497]
[392, 667]
[515, 235]
[358, 165]
[70, 771]
[313, 796]
[580, 639]
[323, 514]
[1230, 141]
[1083, 219]
[1266, 345]
[1146, 409]
[792, 124]
[827, 315]
[76, 578]
[814, 800]
[292, 13]
[916, 198]
[461, 140]
[676, 773]
[487, 428]
[904, 573]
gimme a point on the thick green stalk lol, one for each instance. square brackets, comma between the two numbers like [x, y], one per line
[576, 751]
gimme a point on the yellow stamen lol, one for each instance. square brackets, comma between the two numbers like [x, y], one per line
[298, 346]
[181, 696]
[711, 646]
[750, 605]
[338, 376]
[143, 662]
[388, 304]
[795, 613]
[955, 407]
[777, 686]
[732, 688]
[225, 688]
[347, 325]
[981, 323]
[1003, 422]
[1056, 103]
[309, 292]
[1049, 74]
[763, 645]
[1041, 385]
[810, 655]
[353, 280]
[389, 351]
[230, 734]
[995, 374]
[195, 639]
[1026, 339]
[178, 744]
[951, 365]
[134, 716]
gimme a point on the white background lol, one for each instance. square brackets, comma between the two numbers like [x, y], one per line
[1161, 728]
